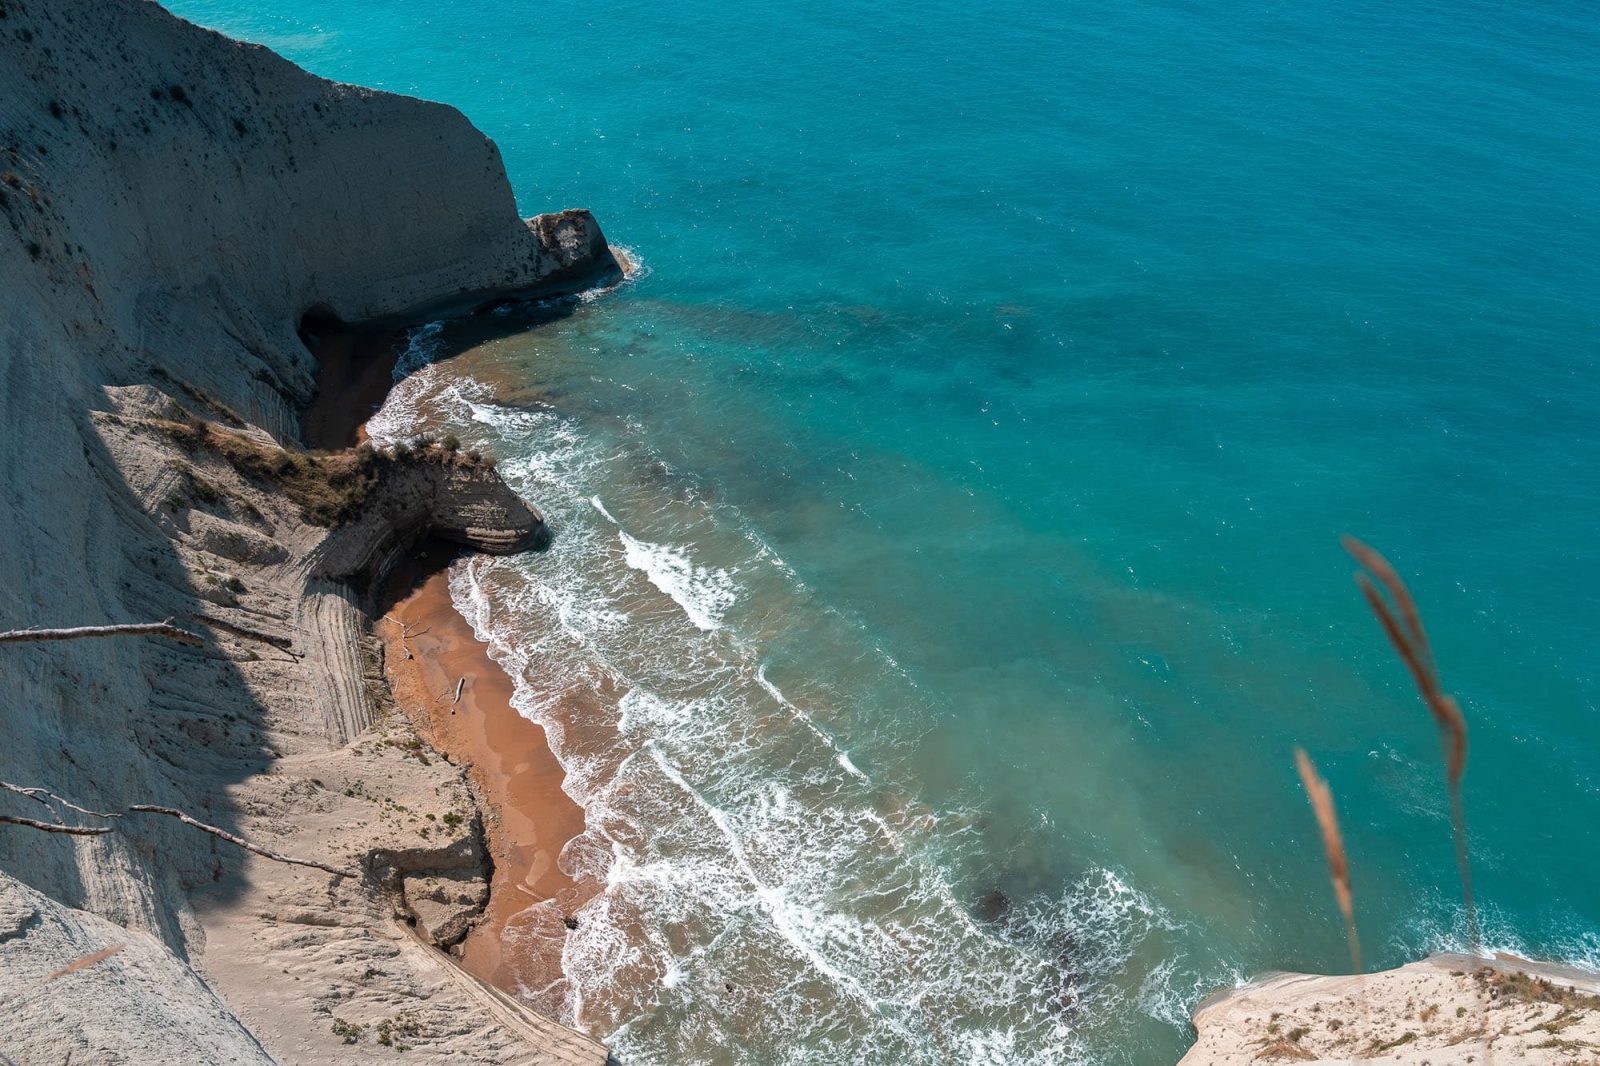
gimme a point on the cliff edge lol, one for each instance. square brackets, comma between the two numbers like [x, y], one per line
[1443, 1009]
[172, 204]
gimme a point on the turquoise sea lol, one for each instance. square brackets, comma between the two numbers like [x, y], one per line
[946, 518]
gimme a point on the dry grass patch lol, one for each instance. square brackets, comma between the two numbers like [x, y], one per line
[330, 488]
[1520, 986]
[1389, 1045]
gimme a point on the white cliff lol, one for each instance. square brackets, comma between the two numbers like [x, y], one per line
[172, 202]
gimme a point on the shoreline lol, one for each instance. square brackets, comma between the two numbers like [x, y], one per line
[356, 360]
[516, 945]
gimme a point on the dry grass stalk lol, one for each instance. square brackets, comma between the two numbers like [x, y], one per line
[1402, 624]
[1333, 844]
[85, 962]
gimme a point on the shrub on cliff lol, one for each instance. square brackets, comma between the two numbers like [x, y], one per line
[330, 488]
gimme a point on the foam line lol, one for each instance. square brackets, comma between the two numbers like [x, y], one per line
[703, 593]
[804, 718]
[770, 898]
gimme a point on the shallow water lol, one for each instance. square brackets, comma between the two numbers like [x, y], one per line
[946, 520]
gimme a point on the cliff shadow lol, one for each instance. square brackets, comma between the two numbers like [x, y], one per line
[142, 719]
[359, 363]
[423, 560]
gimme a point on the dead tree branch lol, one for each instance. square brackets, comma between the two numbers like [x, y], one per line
[405, 631]
[143, 629]
[51, 827]
[40, 795]
[240, 841]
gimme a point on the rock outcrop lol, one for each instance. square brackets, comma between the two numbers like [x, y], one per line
[172, 204]
[457, 500]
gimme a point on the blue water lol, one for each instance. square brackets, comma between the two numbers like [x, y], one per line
[951, 506]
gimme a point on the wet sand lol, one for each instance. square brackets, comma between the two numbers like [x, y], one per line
[528, 818]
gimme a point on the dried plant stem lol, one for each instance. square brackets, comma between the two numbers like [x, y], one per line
[86, 962]
[1333, 845]
[1402, 624]
[1458, 825]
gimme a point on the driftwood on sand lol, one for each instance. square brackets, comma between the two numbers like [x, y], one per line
[405, 631]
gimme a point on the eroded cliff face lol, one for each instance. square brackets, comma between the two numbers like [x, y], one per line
[172, 156]
[171, 203]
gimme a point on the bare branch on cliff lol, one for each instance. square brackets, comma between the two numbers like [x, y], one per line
[144, 629]
[51, 827]
[43, 796]
[146, 808]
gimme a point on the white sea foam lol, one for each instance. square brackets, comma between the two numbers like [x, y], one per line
[641, 269]
[1441, 926]
[1169, 991]
[423, 346]
[405, 409]
[704, 593]
[805, 719]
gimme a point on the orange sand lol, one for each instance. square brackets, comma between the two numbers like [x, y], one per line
[528, 818]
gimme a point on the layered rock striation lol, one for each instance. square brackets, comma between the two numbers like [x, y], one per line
[172, 204]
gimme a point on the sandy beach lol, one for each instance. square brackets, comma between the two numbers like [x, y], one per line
[517, 946]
